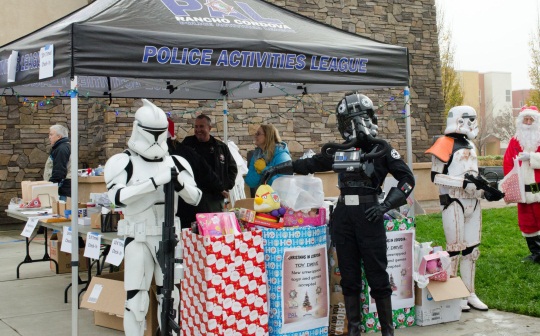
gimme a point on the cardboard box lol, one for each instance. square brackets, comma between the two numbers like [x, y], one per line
[59, 207]
[62, 258]
[107, 301]
[91, 184]
[26, 189]
[440, 302]
[95, 221]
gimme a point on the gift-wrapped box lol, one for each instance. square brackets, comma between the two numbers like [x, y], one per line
[400, 253]
[224, 288]
[296, 262]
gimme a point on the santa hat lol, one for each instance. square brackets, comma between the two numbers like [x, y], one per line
[170, 129]
[531, 111]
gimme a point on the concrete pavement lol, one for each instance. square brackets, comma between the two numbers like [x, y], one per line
[34, 304]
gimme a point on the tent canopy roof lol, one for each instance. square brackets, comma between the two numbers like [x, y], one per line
[199, 50]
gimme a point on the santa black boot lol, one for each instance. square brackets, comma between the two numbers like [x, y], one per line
[534, 246]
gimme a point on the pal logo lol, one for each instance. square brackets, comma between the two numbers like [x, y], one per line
[231, 14]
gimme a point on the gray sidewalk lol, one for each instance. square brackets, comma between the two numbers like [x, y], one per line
[34, 304]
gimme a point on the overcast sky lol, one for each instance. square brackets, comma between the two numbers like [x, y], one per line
[493, 35]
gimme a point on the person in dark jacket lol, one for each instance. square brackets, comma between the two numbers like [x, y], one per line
[219, 158]
[207, 181]
[58, 165]
[358, 230]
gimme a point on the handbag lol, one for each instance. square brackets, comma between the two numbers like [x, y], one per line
[513, 186]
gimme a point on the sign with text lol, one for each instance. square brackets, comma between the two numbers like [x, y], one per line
[30, 226]
[66, 240]
[400, 254]
[92, 247]
[116, 253]
[305, 289]
[46, 61]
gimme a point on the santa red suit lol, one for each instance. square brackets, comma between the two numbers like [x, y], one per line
[525, 146]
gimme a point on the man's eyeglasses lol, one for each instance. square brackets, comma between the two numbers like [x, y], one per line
[258, 133]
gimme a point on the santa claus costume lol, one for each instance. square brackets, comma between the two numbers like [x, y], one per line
[525, 145]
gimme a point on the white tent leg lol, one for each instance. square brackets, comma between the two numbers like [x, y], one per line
[408, 138]
[225, 115]
[74, 209]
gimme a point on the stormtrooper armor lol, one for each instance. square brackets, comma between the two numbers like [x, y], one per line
[454, 155]
[135, 180]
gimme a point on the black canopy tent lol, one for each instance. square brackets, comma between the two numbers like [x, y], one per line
[193, 50]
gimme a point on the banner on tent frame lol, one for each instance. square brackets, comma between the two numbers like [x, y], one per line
[296, 263]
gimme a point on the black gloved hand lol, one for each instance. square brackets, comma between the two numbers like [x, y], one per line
[285, 168]
[376, 212]
[394, 199]
[493, 197]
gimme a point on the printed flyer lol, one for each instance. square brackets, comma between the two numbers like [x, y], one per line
[305, 289]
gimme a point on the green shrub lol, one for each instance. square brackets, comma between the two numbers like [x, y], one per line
[490, 160]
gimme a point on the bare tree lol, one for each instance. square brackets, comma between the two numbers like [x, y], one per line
[451, 86]
[500, 125]
[534, 69]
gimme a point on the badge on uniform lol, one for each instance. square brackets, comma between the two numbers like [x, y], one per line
[352, 200]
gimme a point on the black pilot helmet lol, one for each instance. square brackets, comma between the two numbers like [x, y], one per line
[355, 108]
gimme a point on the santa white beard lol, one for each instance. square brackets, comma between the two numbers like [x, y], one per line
[529, 136]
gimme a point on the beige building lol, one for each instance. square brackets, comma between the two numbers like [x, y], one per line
[490, 94]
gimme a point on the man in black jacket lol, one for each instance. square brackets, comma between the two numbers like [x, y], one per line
[219, 158]
[207, 181]
[358, 230]
[58, 165]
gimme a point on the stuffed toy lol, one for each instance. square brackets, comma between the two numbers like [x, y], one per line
[266, 199]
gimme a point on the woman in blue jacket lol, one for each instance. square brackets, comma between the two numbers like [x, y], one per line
[270, 151]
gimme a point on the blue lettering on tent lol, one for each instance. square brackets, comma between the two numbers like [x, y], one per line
[181, 10]
[165, 55]
[337, 64]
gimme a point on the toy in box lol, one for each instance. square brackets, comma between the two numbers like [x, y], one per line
[313, 217]
[217, 224]
[435, 266]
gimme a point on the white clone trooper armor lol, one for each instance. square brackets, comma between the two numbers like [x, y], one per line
[135, 180]
[454, 155]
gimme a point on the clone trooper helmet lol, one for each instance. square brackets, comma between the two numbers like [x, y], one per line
[149, 135]
[462, 120]
[355, 113]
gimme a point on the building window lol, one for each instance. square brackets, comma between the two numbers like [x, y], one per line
[508, 96]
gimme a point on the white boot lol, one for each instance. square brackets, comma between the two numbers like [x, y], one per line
[465, 306]
[467, 269]
[475, 302]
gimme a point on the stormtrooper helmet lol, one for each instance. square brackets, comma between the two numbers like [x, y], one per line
[149, 135]
[462, 120]
[354, 111]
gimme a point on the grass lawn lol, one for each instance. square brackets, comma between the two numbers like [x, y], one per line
[503, 282]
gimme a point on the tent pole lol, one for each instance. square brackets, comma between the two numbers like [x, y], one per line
[225, 113]
[408, 135]
[74, 208]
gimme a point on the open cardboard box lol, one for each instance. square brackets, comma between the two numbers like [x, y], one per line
[62, 258]
[440, 301]
[106, 296]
